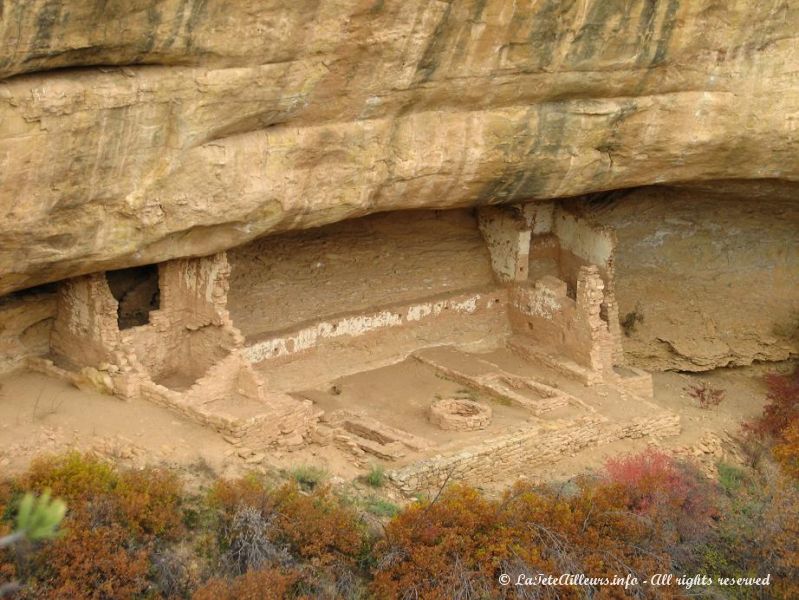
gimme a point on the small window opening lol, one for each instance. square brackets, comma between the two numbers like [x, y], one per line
[603, 312]
[571, 290]
[136, 290]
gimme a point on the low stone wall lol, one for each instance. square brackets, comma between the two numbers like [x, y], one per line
[514, 453]
[258, 422]
[635, 381]
[353, 326]
[275, 420]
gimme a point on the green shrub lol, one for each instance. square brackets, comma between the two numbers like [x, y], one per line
[731, 478]
[77, 478]
[381, 508]
[308, 477]
[376, 476]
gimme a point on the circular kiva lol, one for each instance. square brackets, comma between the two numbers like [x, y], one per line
[455, 414]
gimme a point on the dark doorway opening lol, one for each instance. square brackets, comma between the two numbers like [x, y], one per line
[136, 290]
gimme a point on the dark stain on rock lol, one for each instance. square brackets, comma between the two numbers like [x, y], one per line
[8, 58]
[593, 32]
[646, 31]
[628, 108]
[45, 23]
[153, 21]
[526, 175]
[547, 31]
[666, 31]
[196, 15]
[613, 143]
[435, 46]
[176, 26]
[477, 13]
[60, 241]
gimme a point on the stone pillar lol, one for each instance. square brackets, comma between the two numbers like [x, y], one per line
[194, 290]
[589, 305]
[85, 331]
[507, 235]
[540, 216]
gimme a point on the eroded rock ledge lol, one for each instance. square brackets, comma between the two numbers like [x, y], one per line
[137, 132]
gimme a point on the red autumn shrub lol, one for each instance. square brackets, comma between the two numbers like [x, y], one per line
[705, 394]
[649, 477]
[436, 550]
[782, 408]
[112, 520]
[678, 501]
[90, 562]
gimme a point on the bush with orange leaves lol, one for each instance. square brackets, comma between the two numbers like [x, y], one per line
[90, 561]
[226, 495]
[318, 527]
[778, 539]
[263, 584]
[782, 408]
[112, 521]
[786, 451]
[779, 423]
[149, 502]
[8, 568]
[146, 503]
[645, 514]
[458, 545]
[313, 543]
[314, 526]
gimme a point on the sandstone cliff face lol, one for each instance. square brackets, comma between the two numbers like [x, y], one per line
[25, 323]
[137, 131]
[704, 280]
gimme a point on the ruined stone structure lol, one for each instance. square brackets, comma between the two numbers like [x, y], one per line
[231, 341]
[186, 355]
[458, 414]
[234, 212]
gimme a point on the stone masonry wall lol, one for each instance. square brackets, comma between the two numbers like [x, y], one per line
[476, 305]
[511, 454]
[85, 330]
[568, 328]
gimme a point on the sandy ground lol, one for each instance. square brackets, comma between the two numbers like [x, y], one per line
[707, 436]
[43, 415]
